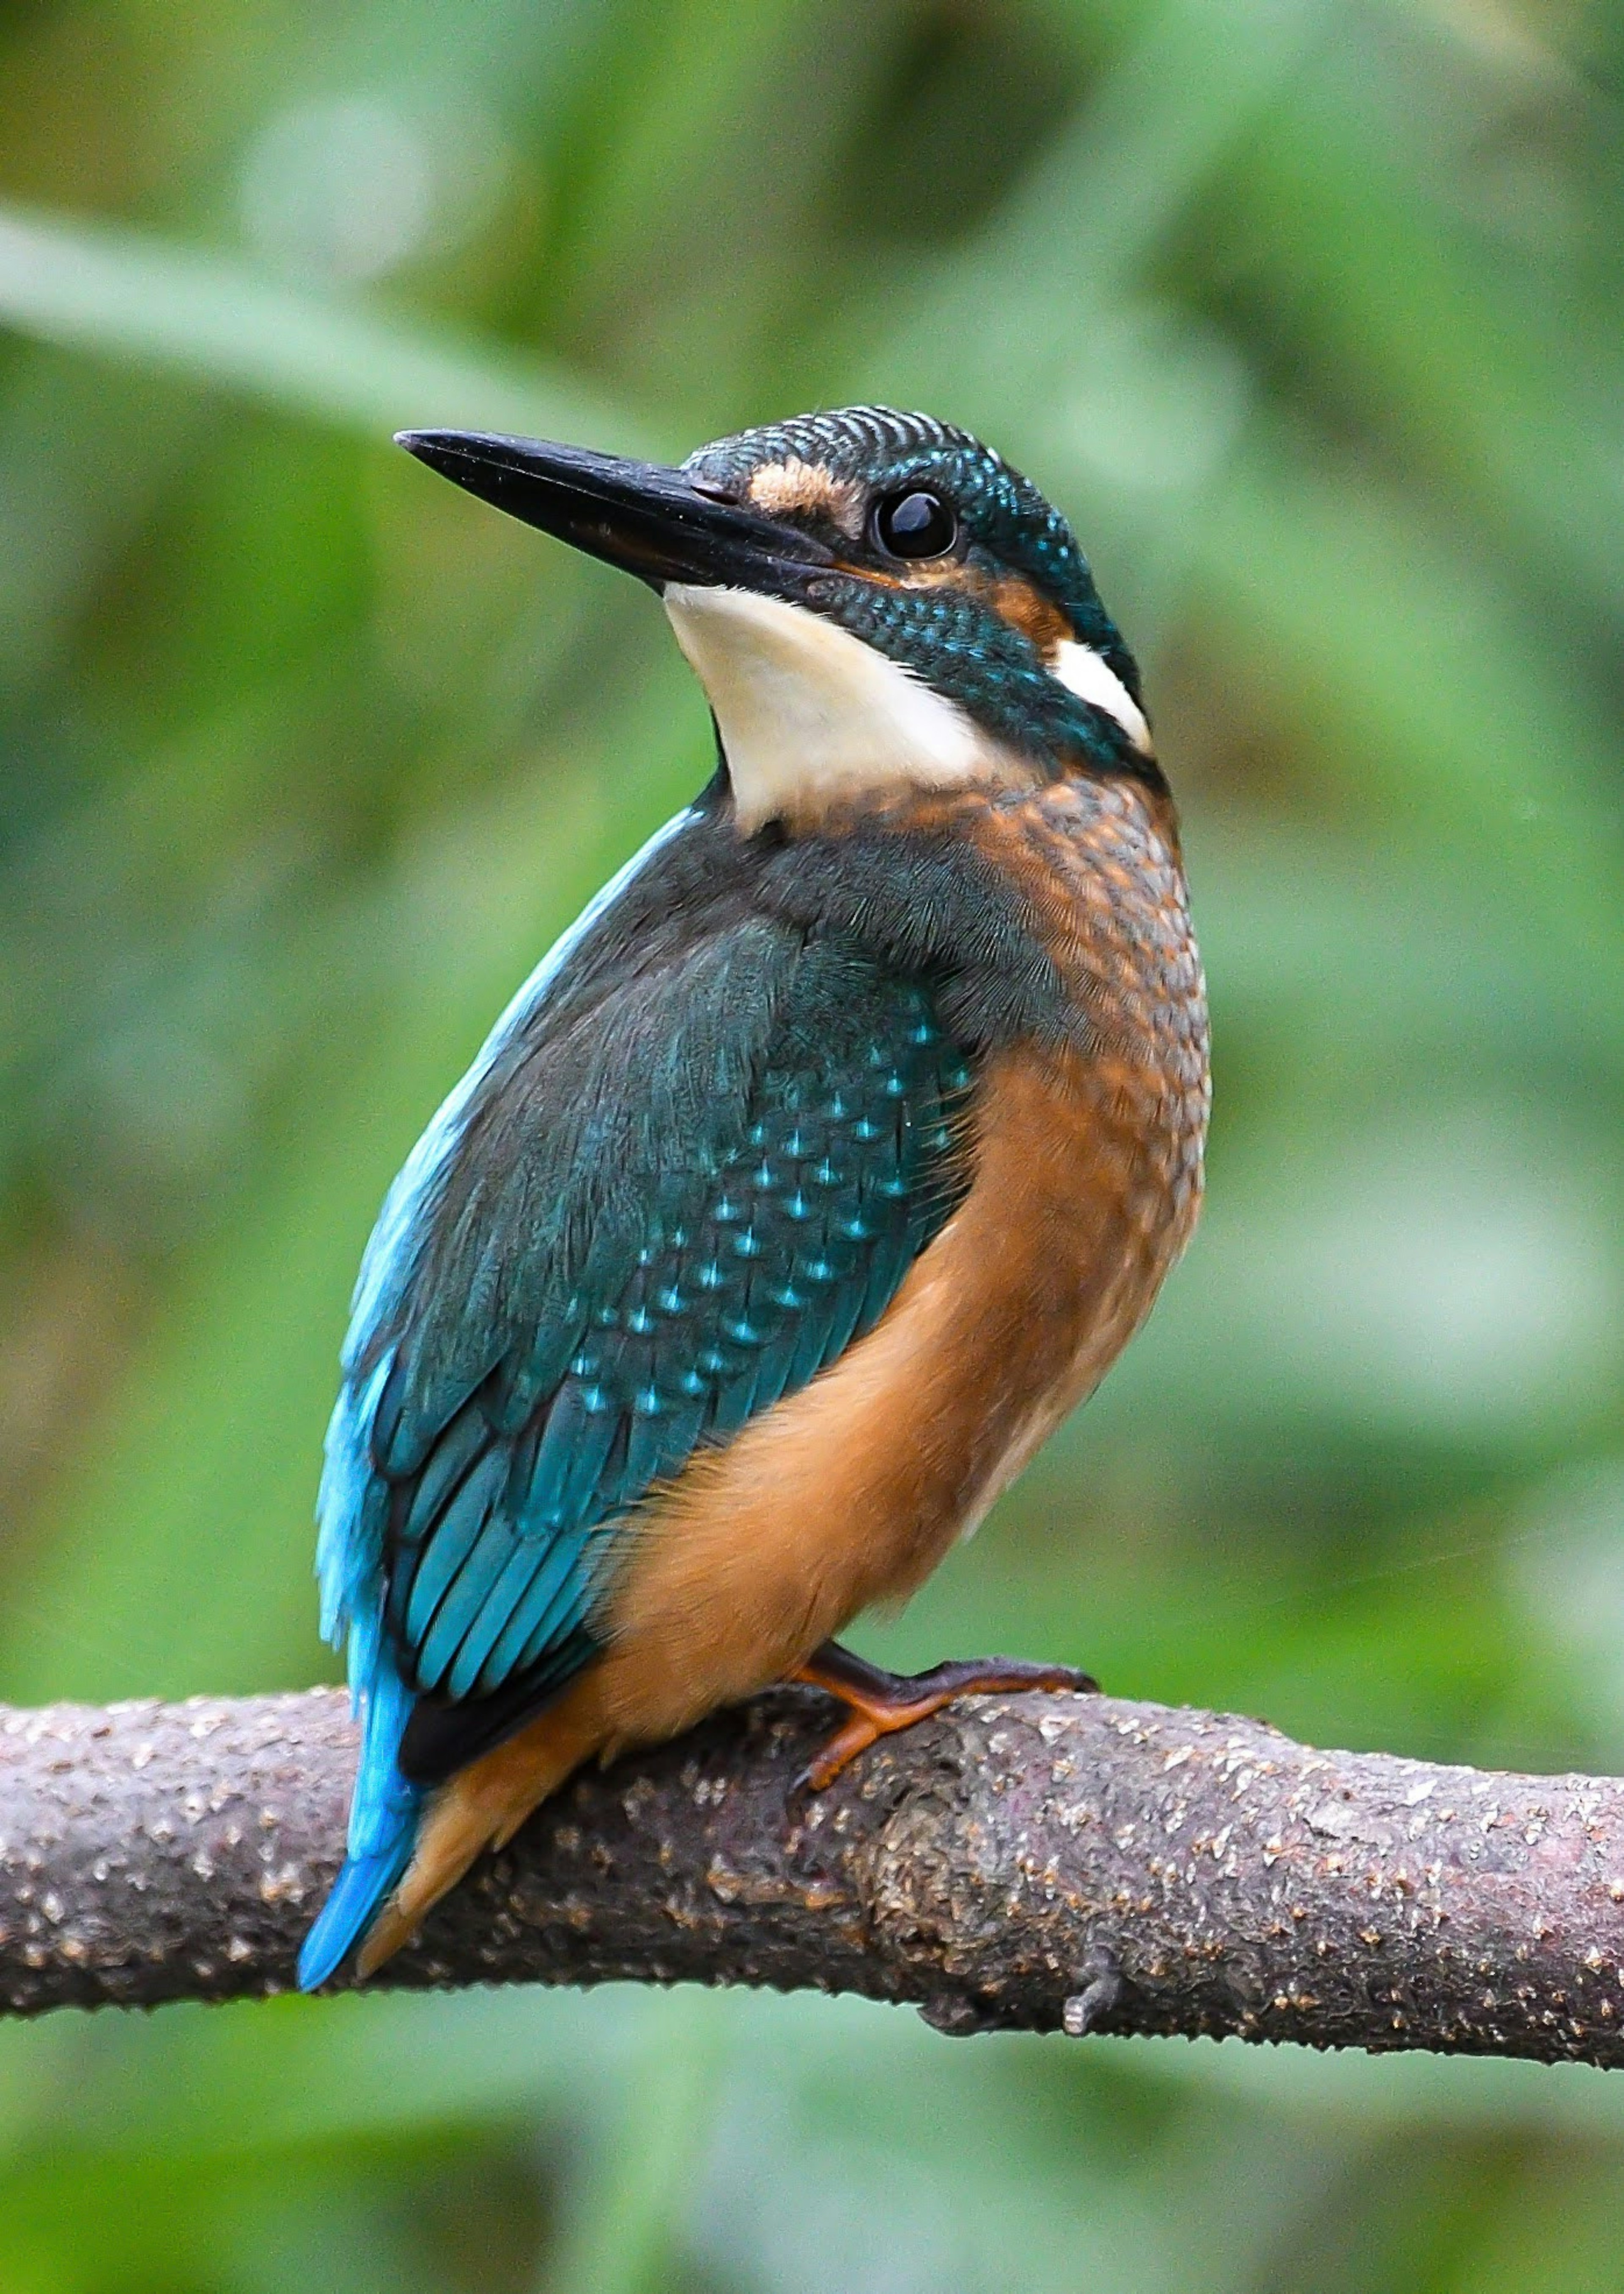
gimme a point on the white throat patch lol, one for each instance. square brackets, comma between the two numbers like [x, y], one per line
[1091, 677]
[810, 715]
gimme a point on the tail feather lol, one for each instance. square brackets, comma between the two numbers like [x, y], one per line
[383, 1816]
[351, 1909]
[482, 1807]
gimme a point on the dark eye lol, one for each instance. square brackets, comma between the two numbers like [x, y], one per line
[915, 524]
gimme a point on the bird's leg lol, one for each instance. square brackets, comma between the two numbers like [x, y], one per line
[879, 1703]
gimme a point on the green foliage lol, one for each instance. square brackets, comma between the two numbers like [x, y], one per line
[1307, 310]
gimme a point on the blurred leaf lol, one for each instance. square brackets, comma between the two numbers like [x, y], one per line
[119, 293]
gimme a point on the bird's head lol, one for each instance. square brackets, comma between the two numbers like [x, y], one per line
[873, 601]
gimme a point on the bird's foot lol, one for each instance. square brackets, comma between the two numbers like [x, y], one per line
[879, 1702]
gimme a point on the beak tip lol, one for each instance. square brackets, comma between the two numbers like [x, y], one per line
[423, 443]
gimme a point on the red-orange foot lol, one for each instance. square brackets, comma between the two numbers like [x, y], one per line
[879, 1703]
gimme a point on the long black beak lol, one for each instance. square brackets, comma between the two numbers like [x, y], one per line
[655, 522]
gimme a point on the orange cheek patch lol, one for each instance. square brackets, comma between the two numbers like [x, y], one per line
[1024, 609]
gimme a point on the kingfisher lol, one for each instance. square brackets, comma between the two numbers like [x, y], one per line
[823, 1167]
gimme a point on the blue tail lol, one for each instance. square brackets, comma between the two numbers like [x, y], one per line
[348, 1912]
[383, 1832]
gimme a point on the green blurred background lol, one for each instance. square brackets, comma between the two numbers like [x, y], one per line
[1310, 312]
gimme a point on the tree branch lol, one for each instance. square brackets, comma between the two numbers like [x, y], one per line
[1026, 1862]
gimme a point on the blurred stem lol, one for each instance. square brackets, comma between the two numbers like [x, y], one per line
[632, 2197]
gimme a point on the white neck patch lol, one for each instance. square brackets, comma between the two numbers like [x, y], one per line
[810, 715]
[1091, 677]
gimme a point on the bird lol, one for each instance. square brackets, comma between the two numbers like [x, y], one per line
[825, 1164]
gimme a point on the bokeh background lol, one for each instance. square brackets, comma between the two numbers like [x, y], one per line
[1309, 311]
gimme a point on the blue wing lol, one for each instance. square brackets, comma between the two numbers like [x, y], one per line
[684, 1174]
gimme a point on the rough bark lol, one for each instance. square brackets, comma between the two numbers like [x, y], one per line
[1026, 1862]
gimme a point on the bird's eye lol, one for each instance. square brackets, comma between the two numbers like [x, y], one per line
[915, 524]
